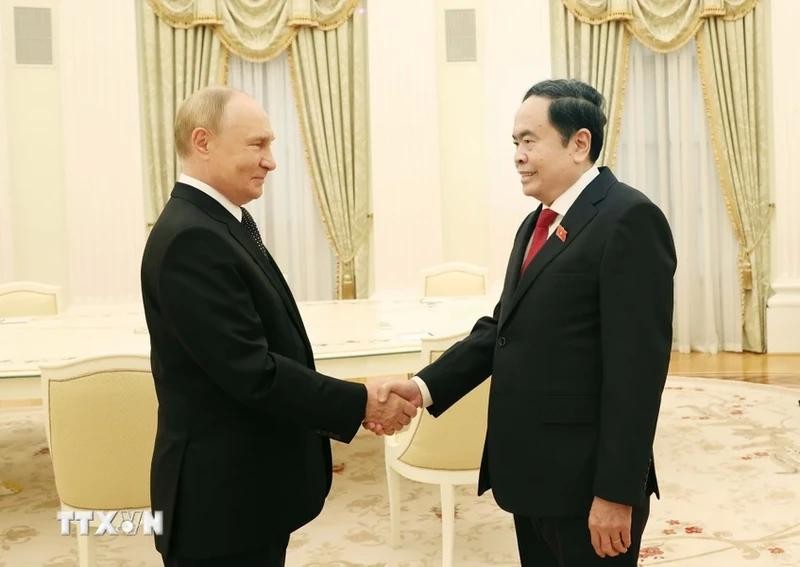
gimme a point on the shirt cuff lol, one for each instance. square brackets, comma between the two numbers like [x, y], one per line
[423, 388]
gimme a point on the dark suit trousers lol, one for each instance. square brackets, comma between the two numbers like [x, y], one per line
[274, 555]
[566, 542]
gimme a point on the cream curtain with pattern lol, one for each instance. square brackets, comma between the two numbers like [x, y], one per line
[255, 30]
[175, 62]
[730, 47]
[665, 151]
[661, 25]
[287, 213]
[730, 54]
[329, 71]
[596, 54]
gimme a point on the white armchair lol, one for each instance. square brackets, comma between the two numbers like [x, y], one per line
[101, 423]
[446, 450]
[454, 279]
[18, 299]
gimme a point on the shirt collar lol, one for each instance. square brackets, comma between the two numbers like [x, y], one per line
[235, 210]
[564, 201]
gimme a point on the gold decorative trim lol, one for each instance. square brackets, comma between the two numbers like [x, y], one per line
[224, 67]
[582, 14]
[334, 23]
[619, 97]
[751, 289]
[182, 20]
[278, 43]
[346, 251]
[297, 90]
[721, 161]
[640, 30]
[277, 46]
[659, 46]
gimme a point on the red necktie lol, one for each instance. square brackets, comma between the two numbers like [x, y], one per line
[539, 237]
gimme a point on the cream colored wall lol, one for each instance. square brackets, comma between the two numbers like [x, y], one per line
[102, 150]
[446, 182]
[462, 141]
[73, 147]
[517, 55]
[35, 159]
[404, 143]
[6, 236]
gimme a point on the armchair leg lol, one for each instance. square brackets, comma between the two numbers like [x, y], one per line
[393, 482]
[448, 523]
[86, 555]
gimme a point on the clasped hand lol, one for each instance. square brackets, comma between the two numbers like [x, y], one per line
[391, 406]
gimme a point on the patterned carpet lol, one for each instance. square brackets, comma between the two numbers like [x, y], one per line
[729, 464]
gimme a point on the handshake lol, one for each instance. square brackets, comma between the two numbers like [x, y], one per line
[391, 405]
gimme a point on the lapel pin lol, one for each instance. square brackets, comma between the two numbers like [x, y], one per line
[561, 232]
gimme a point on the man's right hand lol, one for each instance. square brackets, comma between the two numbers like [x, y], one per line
[386, 391]
[388, 411]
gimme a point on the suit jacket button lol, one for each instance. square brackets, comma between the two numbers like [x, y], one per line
[502, 341]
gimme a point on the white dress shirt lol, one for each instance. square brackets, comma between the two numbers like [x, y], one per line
[564, 201]
[235, 210]
[561, 205]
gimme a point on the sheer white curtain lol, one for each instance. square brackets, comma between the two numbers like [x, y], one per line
[665, 151]
[286, 213]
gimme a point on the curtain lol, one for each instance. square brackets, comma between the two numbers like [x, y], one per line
[661, 25]
[256, 30]
[597, 55]
[732, 60]
[174, 63]
[665, 151]
[730, 37]
[287, 213]
[329, 75]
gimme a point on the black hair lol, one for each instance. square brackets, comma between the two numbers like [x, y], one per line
[574, 105]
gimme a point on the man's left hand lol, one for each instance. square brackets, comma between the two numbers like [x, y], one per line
[610, 527]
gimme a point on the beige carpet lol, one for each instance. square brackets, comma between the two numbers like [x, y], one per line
[729, 463]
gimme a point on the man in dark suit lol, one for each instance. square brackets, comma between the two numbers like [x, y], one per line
[242, 453]
[578, 346]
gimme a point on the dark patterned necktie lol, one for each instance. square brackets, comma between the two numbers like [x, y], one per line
[251, 229]
[274, 274]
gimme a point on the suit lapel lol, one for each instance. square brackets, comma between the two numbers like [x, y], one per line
[515, 261]
[577, 218]
[266, 263]
[274, 275]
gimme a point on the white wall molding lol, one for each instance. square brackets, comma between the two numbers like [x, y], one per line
[783, 307]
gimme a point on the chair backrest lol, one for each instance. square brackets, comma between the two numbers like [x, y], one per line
[101, 424]
[454, 440]
[454, 279]
[18, 299]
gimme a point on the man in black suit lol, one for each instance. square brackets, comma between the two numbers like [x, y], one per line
[242, 453]
[578, 346]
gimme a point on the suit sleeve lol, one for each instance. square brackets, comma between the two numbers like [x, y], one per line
[470, 361]
[211, 309]
[463, 366]
[636, 298]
